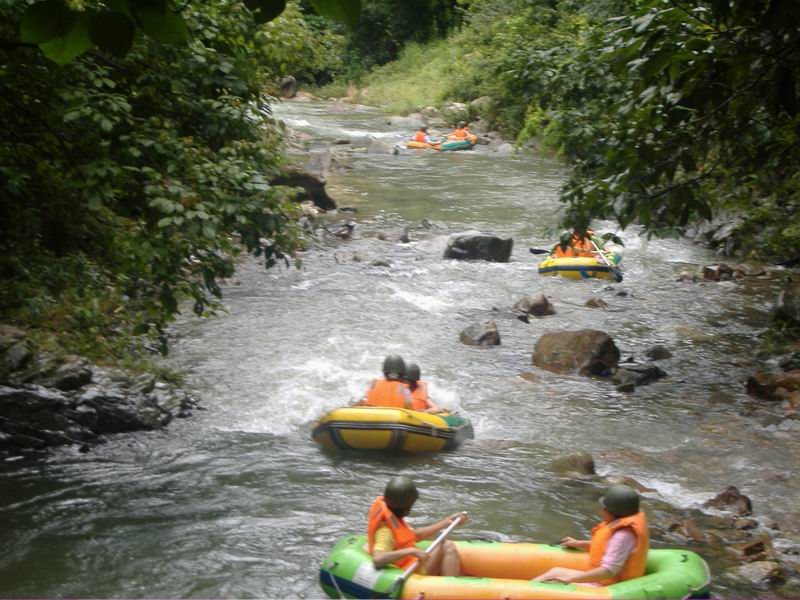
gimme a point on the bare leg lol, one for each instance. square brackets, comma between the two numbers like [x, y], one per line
[557, 573]
[433, 566]
[451, 562]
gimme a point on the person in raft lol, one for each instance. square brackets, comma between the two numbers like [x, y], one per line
[391, 541]
[461, 132]
[421, 135]
[420, 401]
[392, 391]
[579, 245]
[619, 544]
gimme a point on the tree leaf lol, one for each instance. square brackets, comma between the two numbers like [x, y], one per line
[345, 11]
[161, 23]
[112, 31]
[45, 21]
[265, 10]
[75, 42]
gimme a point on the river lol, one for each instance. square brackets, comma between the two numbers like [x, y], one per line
[238, 502]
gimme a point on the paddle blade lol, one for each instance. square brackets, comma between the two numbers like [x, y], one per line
[539, 251]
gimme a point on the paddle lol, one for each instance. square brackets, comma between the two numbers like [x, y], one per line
[413, 566]
[614, 271]
[539, 251]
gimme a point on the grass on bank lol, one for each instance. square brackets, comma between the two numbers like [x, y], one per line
[420, 77]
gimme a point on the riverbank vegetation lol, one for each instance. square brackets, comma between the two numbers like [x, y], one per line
[136, 151]
[667, 112]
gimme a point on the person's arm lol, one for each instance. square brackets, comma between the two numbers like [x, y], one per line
[590, 576]
[423, 533]
[381, 559]
[569, 542]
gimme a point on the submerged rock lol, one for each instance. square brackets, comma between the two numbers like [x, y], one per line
[481, 334]
[731, 500]
[536, 306]
[580, 463]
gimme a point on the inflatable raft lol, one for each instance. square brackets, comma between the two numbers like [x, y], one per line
[398, 429]
[445, 144]
[583, 267]
[502, 570]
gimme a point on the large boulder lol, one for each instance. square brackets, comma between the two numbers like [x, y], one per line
[761, 572]
[483, 334]
[455, 112]
[14, 351]
[376, 146]
[410, 122]
[481, 106]
[312, 184]
[477, 246]
[787, 307]
[585, 351]
[324, 162]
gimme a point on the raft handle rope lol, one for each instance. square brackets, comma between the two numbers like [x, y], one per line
[331, 567]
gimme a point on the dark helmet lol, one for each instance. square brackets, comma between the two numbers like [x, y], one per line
[394, 364]
[423, 128]
[621, 501]
[462, 124]
[400, 493]
[412, 372]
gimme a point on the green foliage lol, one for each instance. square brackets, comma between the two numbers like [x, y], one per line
[710, 96]
[129, 185]
[298, 45]
[64, 32]
[420, 77]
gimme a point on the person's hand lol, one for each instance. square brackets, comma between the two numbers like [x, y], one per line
[420, 555]
[569, 542]
[554, 580]
[462, 514]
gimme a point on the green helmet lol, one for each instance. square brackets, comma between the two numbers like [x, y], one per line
[412, 372]
[621, 501]
[394, 364]
[400, 493]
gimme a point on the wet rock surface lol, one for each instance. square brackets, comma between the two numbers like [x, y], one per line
[585, 351]
[477, 246]
[483, 334]
[51, 400]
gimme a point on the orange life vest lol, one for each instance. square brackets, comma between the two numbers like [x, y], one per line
[634, 566]
[461, 133]
[392, 394]
[421, 136]
[404, 536]
[578, 247]
[419, 397]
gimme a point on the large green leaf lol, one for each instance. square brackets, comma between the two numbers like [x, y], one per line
[44, 21]
[161, 23]
[75, 42]
[112, 31]
[265, 10]
[346, 11]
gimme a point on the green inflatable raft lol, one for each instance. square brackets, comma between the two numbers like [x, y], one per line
[502, 570]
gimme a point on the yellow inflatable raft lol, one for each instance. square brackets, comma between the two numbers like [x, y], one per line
[583, 267]
[397, 429]
[503, 570]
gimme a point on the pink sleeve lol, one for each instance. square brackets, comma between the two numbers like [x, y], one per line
[620, 546]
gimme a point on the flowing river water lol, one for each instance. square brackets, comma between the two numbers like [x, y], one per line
[237, 501]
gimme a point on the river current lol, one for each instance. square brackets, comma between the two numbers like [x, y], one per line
[238, 502]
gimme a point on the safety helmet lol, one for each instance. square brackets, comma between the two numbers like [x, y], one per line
[462, 124]
[423, 128]
[400, 493]
[394, 364]
[621, 501]
[412, 372]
